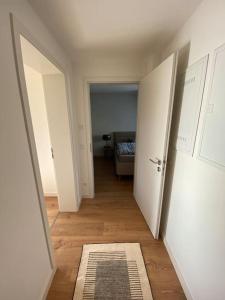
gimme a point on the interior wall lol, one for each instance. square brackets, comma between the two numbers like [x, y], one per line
[25, 262]
[97, 69]
[38, 111]
[111, 112]
[194, 223]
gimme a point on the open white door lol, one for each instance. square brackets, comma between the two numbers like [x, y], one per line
[57, 112]
[155, 104]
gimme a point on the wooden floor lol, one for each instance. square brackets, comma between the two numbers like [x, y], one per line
[52, 209]
[113, 216]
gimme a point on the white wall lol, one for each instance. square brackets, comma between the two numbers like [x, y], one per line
[24, 261]
[97, 69]
[38, 111]
[111, 112]
[195, 231]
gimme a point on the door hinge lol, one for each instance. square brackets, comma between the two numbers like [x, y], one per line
[52, 152]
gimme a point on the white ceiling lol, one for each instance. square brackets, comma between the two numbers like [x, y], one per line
[113, 26]
[33, 58]
[114, 88]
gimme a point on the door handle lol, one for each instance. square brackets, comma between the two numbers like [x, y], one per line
[157, 161]
[52, 152]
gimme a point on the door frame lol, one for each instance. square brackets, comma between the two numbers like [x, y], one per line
[17, 30]
[88, 124]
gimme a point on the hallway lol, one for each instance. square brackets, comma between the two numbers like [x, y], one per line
[113, 216]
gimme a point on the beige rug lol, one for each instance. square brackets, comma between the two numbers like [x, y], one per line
[112, 272]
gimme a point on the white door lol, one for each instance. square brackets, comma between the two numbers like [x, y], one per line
[57, 111]
[155, 103]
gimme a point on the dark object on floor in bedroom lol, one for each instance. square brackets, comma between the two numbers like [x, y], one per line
[108, 152]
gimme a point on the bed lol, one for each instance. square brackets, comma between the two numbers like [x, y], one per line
[124, 152]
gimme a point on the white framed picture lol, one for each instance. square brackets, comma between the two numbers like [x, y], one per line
[189, 98]
[212, 144]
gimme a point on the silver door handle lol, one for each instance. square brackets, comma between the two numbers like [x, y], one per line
[156, 161]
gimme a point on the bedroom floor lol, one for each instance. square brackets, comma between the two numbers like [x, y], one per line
[106, 181]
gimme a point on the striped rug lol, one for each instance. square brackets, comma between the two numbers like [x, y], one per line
[112, 272]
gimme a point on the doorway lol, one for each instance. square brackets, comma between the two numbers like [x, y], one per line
[47, 116]
[113, 121]
[155, 107]
[35, 67]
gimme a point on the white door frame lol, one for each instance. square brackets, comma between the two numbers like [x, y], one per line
[18, 30]
[88, 126]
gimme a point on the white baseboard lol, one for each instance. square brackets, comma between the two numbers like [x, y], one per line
[48, 285]
[51, 195]
[87, 196]
[178, 271]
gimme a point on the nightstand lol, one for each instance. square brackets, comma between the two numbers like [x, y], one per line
[108, 152]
